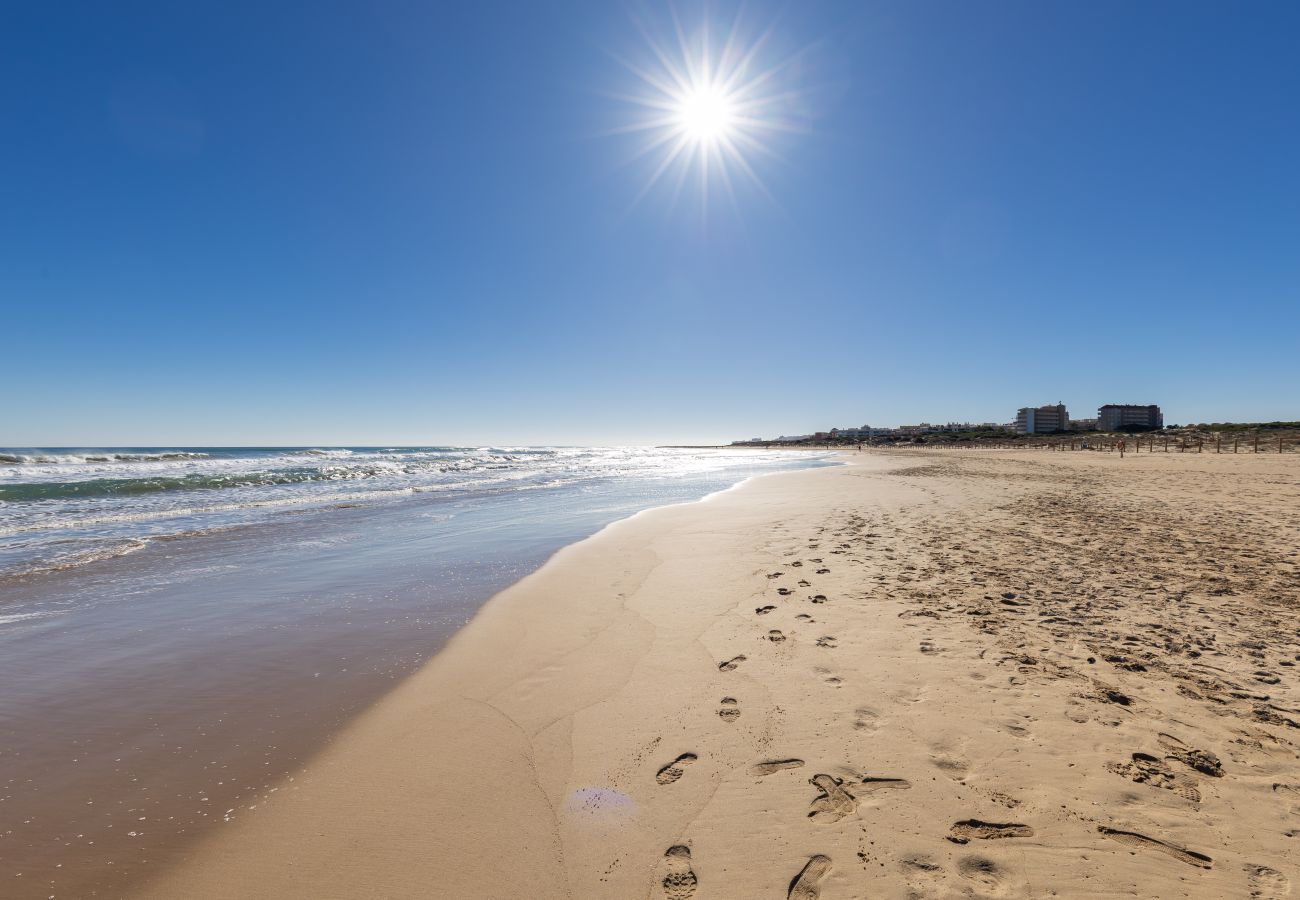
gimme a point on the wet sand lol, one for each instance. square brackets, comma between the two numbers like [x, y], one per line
[941, 673]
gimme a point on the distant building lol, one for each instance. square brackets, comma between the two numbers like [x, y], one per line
[861, 433]
[1042, 419]
[1083, 424]
[1114, 416]
[969, 426]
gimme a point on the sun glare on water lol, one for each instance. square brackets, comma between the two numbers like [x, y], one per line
[708, 104]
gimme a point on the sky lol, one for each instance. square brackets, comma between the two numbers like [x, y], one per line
[439, 223]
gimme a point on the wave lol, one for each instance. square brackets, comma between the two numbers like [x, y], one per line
[336, 454]
[20, 617]
[157, 473]
[80, 558]
[515, 481]
[151, 515]
[125, 487]
[68, 459]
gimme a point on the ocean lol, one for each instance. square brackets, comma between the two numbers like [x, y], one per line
[181, 627]
[63, 508]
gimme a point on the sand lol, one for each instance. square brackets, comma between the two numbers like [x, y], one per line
[922, 674]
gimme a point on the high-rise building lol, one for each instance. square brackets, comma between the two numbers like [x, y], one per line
[1042, 419]
[1114, 416]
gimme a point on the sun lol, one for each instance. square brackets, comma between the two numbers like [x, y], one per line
[709, 103]
[706, 114]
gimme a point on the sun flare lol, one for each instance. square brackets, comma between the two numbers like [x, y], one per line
[708, 103]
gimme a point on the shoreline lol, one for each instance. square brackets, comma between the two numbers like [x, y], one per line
[666, 703]
[155, 699]
[447, 674]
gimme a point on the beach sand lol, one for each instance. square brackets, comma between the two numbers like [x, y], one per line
[922, 674]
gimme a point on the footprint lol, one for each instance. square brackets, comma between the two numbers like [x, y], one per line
[1202, 761]
[796, 564]
[730, 712]
[823, 571]
[983, 871]
[973, 829]
[764, 610]
[923, 875]
[1146, 769]
[731, 663]
[675, 769]
[818, 598]
[1182, 854]
[804, 617]
[1106, 694]
[806, 885]
[870, 785]
[826, 641]
[784, 592]
[803, 583]
[1075, 712]
[953, 766]
[1015, 727]
[834, 802]
[1005, 799]
[840, 797]
[767, 767]
[775, 575]
[1267, 883]
[866, 719]
[775, 636]
[679, 883]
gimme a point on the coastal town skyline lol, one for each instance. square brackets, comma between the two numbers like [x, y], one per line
[1042, 420]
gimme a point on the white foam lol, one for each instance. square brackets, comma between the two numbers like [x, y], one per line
[23, 617]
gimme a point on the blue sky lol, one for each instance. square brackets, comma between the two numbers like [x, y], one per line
[227, 223]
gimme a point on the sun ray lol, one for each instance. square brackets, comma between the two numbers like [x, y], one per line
[664, 164]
